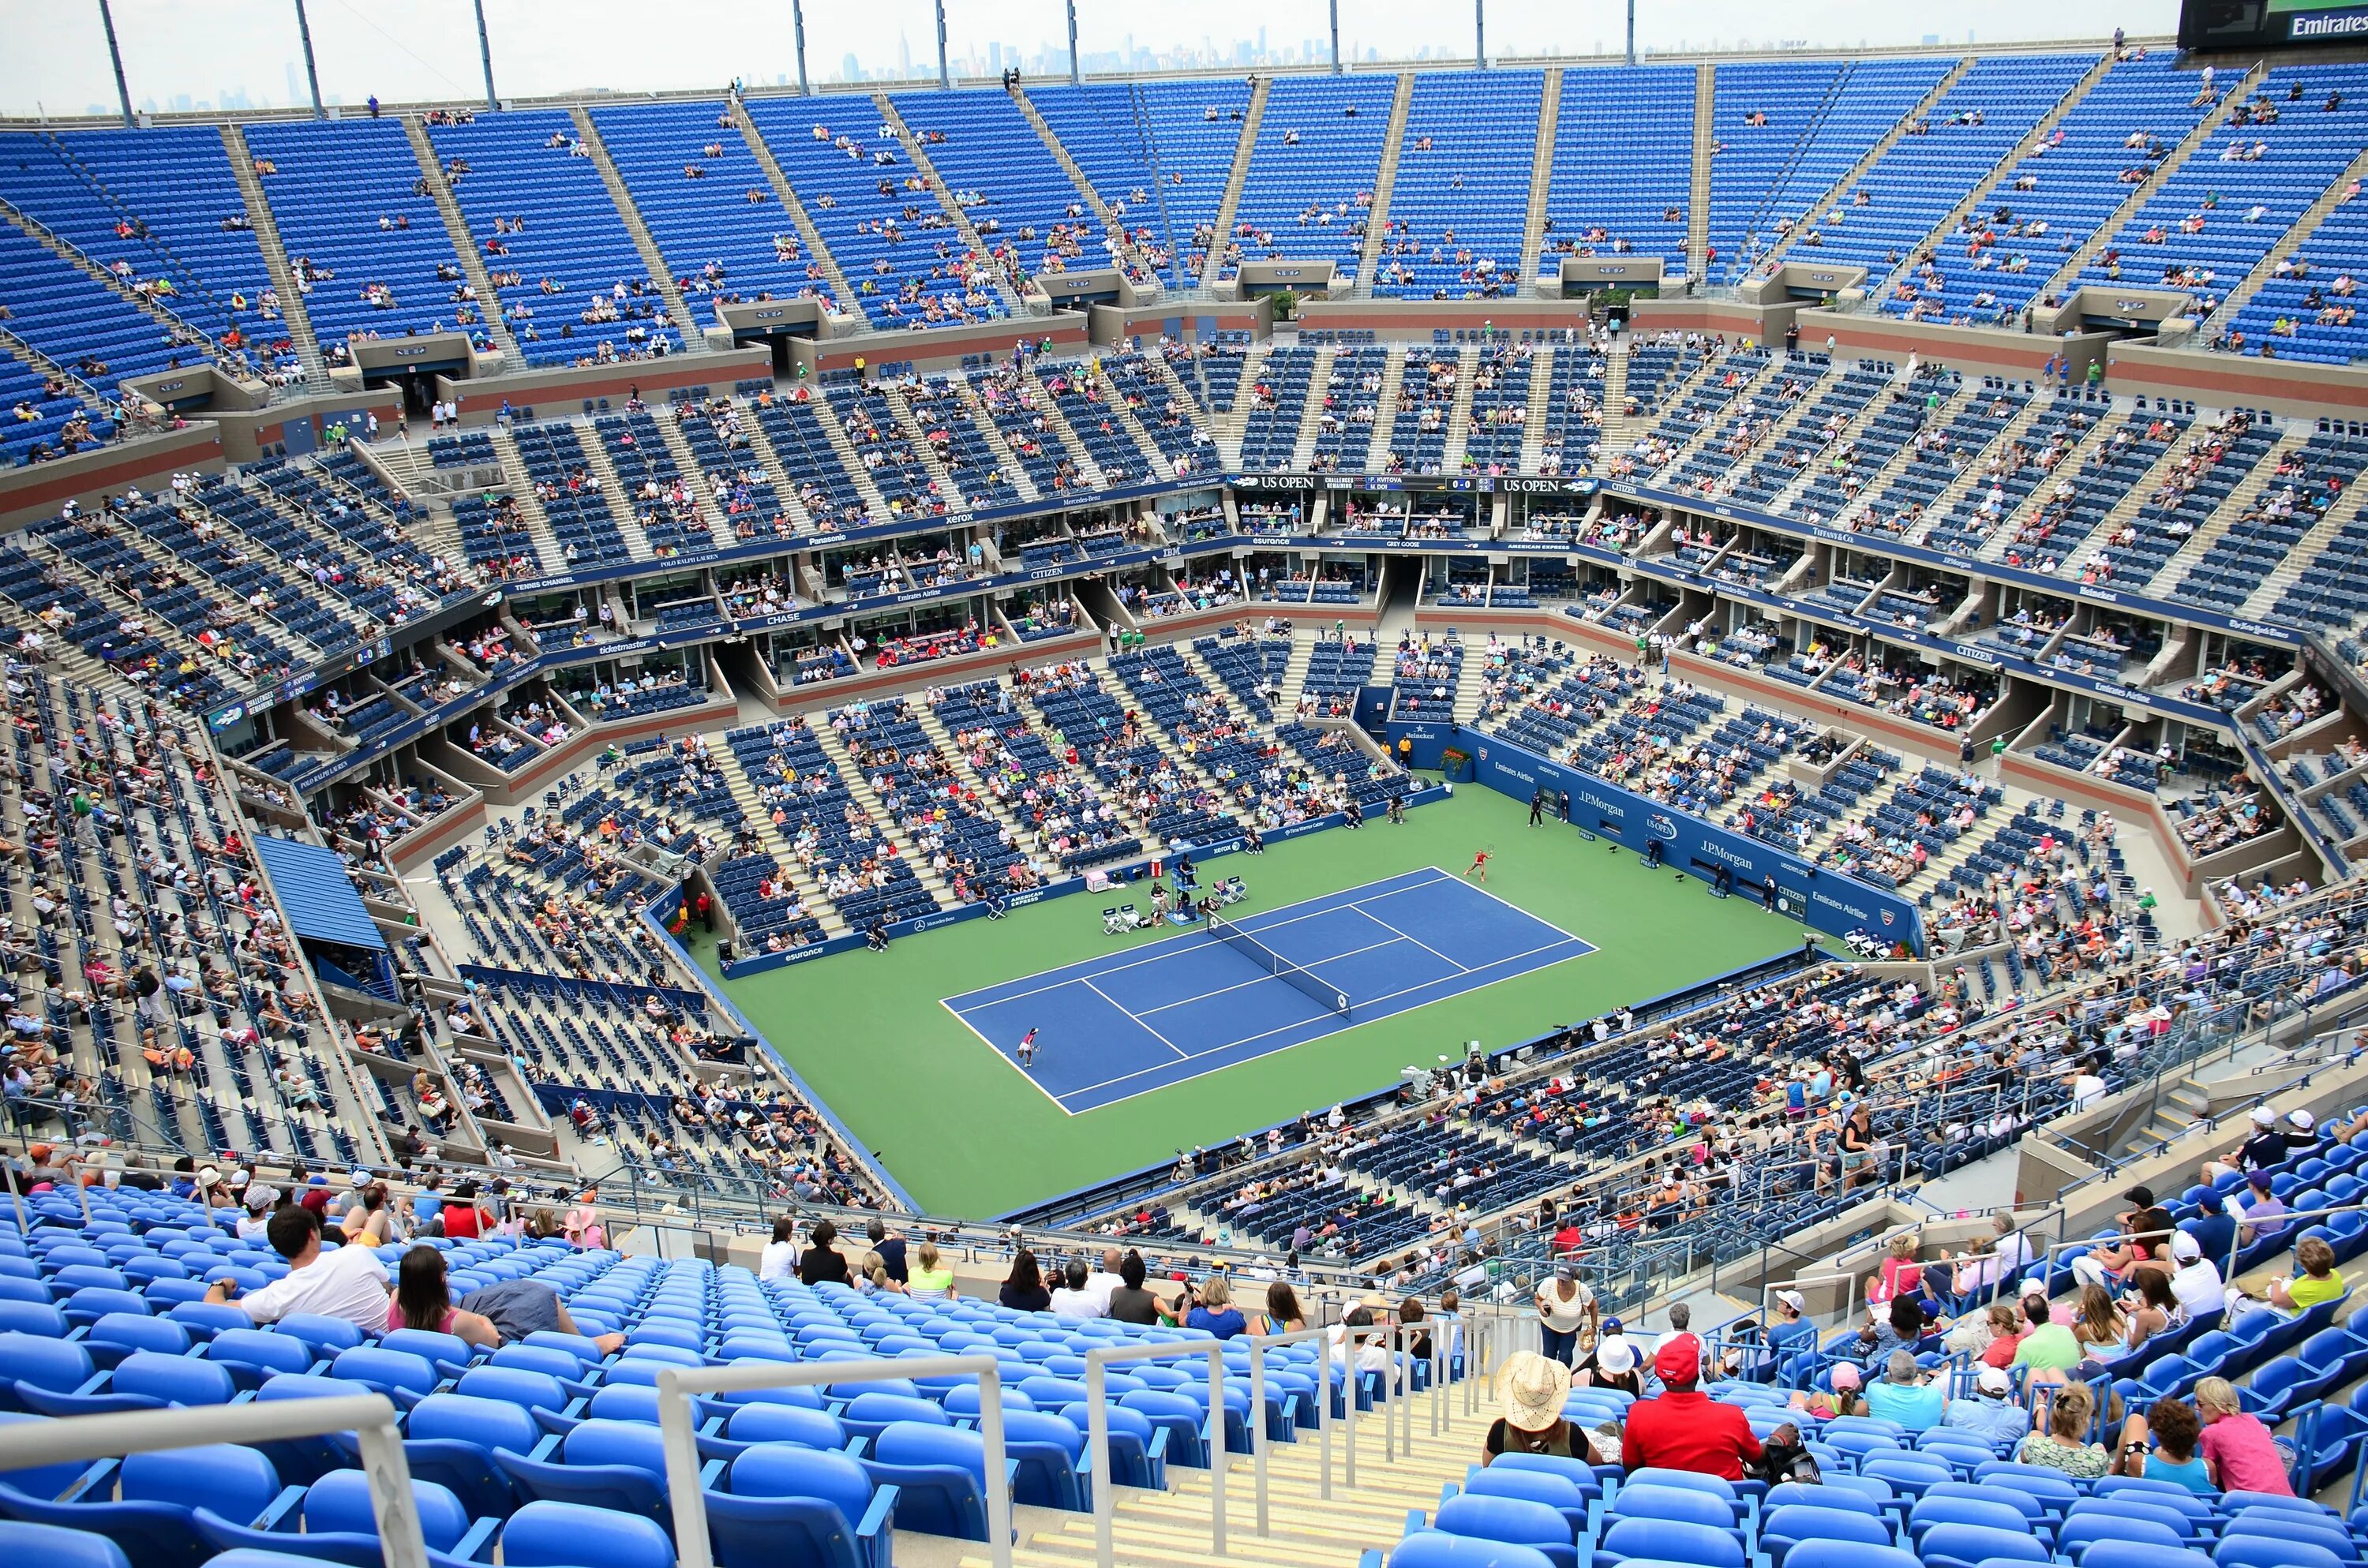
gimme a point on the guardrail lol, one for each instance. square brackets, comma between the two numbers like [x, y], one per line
[680, 1434]
[370, 1416]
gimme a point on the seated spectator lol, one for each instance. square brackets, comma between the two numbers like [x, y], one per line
[2237, 1447]
[2064, 1443]
[346, 1282]
[422, 1299]
[1905, 1397]
[1992, 1413]
[1216, 1312]
[2318, 1283]
[2172, 1424]
[1683, 1429]
[1530, 1391]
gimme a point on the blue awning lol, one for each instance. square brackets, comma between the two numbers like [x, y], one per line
[319, 897]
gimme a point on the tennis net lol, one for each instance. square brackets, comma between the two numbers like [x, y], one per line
[1274, 963]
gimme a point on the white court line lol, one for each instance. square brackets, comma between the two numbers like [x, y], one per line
[1000, 1055]
[1310, 968]
[1426, 947]
[1129, 1012]
[1482, 890]
[1167, 948]
[1589, 949]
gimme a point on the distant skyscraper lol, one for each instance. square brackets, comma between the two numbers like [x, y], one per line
[850, 69]
[903, 55]
[296, 94]
[995, 58]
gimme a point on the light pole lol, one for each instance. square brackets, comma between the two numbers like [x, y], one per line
[485, 55]
[311, 71]
[1335, 37]
[115, 52]
[1073, 42]
[798, 26]
[1632, 32]
[944, 80]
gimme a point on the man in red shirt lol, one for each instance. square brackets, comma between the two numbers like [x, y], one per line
[1685, 1428]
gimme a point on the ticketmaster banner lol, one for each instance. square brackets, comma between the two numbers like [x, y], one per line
[1816, 895]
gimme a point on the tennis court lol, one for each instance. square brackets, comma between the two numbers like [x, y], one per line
[1160, 1013]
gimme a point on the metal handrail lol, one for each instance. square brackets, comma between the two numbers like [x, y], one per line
[678, 1433]
[368, 1415]
[1097, 1364]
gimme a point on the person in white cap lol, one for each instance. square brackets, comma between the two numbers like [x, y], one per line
[1992, 1413]
[2268, 1146]
[1792, 1329]
[2196, 1282]
[261, 1200]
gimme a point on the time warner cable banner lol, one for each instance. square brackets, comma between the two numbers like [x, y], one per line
[1817, 895]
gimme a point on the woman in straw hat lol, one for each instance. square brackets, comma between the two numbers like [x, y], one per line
[1529, 1390]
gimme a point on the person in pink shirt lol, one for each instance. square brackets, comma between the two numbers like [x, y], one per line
[2236, 1446]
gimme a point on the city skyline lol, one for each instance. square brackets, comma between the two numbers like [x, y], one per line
[216, 61]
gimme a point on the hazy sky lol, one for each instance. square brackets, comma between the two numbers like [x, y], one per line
[56, 53]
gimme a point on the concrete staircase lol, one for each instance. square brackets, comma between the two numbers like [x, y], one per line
[2260, 482]
[860, 788]
[810, 891]
[1978, 197]
[694, 474]
[849, 459]
[1540, 404]
[1970, 476]
[89, 266]
[909, 428]
[1619, 430]
[1310, 416]
[994, 441]
[1377, 216]
[1386, 410]
[919, 159]
[2002, 537]
[1397, 1473]
[1533, 227]
[1294, 679]
[538, 524]
[1890, 139]
[1782, 501]
[2142, 193]
[1220, 233]
[1230, 425]
[1459, 417]
[2303, 556]
[843, 296]
[1114, 399]
[275, 258]
[612, 486]
[1146, 277]
[1697, 193]
[694, 337]
[2292, 240]
[778, 471]
[1715, 427]
[1050, 407]
[464, 243]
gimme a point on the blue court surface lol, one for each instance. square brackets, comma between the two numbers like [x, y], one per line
[1114, 1028]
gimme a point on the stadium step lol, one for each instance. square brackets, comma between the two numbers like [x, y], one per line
[923, 448]
[1619, 430]
[1858, 171]
[2259, 484]
[1878, 289]
[859, 785]
[1969, 478]
[176, 328]
[1294, 677]
[1185, 390]
[1311, 417]
[1377, 215]
[1221, 231]
[1534, 225]
[1009, 460]
[1049, 407]
[612, 490]
[1459, 417]
[2002, 537]
[274, 257]
[744, 792]
[694, 337]
[1231, 423]
[843, 296]
[848, 458]
[1144, 278]
[464, 243]
[2302, 557]
[1114, 401]
[2136, 198]
[2293, 241]
[918, 157]
[1540, 404]
[785, 488]
[694, 475]
[1697, 193]
[1385, 409]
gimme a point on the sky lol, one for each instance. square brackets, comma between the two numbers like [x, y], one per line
[246, 54]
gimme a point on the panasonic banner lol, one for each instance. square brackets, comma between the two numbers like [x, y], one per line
[1820, 896]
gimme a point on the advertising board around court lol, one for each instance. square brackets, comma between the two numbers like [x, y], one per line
[1820, 896]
